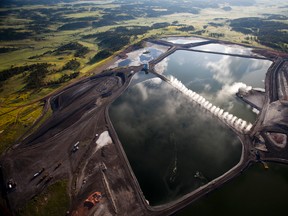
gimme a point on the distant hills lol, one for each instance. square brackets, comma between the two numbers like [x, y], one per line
[31, 2]
[46, 2]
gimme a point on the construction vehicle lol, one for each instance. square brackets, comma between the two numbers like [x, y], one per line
[76, 144]
[75, 147]
[38, 173]
[93, 199]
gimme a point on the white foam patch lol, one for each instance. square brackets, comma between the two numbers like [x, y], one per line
[255, 111]
[226, 116]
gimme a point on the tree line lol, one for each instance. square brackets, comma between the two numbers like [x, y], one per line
[270, 33]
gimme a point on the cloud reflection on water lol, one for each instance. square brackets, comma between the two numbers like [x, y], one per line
[221, 70]
[161, 67]
[217, 77]
[147, 115]
[233, 49]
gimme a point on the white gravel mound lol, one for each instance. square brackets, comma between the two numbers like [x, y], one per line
[103, 140]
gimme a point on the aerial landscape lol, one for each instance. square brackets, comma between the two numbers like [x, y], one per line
[124, 107]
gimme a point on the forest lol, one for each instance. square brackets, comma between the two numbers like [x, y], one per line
[80, 50]
[269, 33]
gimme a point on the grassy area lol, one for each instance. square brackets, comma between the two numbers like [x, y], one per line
[15, 122]
[53, 201]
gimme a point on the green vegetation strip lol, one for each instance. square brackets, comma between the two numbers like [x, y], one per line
[16, 122]
[53, 201]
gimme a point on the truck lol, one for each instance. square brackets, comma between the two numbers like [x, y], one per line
[38, 173]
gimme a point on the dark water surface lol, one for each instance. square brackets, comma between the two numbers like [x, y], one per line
[173, 146]
[256, 192]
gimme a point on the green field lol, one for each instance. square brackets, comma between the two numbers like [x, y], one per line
[54, 200]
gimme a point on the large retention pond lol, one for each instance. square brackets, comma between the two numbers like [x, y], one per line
[173, 146]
